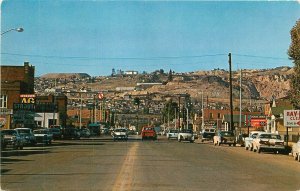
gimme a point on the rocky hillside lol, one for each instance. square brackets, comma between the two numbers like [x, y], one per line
[65, 75]
[256, 84]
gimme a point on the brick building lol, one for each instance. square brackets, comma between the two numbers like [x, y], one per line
[15, 80]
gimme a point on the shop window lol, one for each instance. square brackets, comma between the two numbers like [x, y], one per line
[3, 101]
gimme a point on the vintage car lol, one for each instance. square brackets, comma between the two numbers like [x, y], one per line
[43, 136]
[56, 132]
[207, 134]
[224, 137]
[120, 134]
[172, 134]
[296, 151]
[28, 136]
[186, 135]
[268, 142]
[149, 133]
[12, 137]
[249, 140]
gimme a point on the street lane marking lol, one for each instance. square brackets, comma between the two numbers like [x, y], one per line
[125, 177]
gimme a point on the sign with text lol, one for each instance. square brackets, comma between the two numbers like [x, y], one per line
[27, 98]
[291, 118]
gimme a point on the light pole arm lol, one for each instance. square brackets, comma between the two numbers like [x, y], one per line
[16, 29]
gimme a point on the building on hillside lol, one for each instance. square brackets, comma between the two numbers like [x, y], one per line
[131, 72]
[15, 81]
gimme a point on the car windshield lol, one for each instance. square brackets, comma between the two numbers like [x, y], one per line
[173, 131]
[276, 137]
[265, 136]
[40, 132]
[148, 128]
[254, 135]
[24, 131]
[227, 133]
[186, 131]
[120, 130]
[8, 132]
[212, 130]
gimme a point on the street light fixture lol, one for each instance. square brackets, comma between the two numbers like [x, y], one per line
[14, 29]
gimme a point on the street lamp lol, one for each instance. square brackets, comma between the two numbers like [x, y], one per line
[14, 29]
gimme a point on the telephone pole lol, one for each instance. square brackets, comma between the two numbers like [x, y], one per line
[230, 90]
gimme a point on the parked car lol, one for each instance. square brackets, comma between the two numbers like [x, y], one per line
[120, 134]
[56, 132]
[43, 136]
[268, 142]
[71, 133]
[85, 133]
[240, 139]
[249, 140]
[224, 137]
[186, 135]
[172, 134]
[149, 133]
[28, 136]
[207, 134]
[296, 151]
[11, 137]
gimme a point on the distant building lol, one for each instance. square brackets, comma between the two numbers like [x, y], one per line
[131, 72]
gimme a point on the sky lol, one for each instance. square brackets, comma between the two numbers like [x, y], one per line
[95, 37]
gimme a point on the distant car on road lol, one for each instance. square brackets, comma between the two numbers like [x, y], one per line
[28, 136]
[43, 136]
[249, 140]
[13, 138]
[149, 133]
[268, 142]
[120, 134]
[224, 137]
[71, 133]
[296, 151]
[186, 135]
[172, 134]
[56, 132]
[85, 132]
[207, 134]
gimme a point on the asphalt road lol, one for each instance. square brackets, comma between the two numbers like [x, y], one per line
[102, 164]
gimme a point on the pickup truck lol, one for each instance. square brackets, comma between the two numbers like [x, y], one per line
[224, 137]
[249, 140]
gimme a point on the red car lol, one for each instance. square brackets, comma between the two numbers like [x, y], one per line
[149, 133]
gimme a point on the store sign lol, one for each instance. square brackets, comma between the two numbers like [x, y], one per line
[27, 98]
[258, 121]
[291, 118]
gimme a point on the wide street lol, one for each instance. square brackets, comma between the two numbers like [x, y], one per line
[101, 164]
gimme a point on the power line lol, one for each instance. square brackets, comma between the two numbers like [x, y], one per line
[112, 58]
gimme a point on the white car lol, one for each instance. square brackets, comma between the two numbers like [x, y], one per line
[296, 151]
[186, 135]
[249, 140]
[268, 142]
[172, 134]
[120, 133]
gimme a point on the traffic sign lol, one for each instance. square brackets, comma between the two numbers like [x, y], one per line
[100, 95]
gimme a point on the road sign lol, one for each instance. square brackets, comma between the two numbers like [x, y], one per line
[291, 118]
[100, 95]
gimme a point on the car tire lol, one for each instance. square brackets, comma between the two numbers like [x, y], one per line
[246, 148]
[234, 144]
[215, 143]
[295, 156]
[219, 144]
[298, 157]
[230, 145]
[258, 150]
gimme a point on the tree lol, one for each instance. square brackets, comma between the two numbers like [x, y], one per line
[294, 54]
[170, 76]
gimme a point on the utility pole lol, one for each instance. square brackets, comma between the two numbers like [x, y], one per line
[230, 90]
[202, 125]
[80, 110]
[240, 121]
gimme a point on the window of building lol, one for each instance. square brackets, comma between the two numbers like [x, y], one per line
[219, 115]
[3, 101]
[210, 115]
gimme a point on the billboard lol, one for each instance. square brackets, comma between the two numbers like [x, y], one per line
[291, 118]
